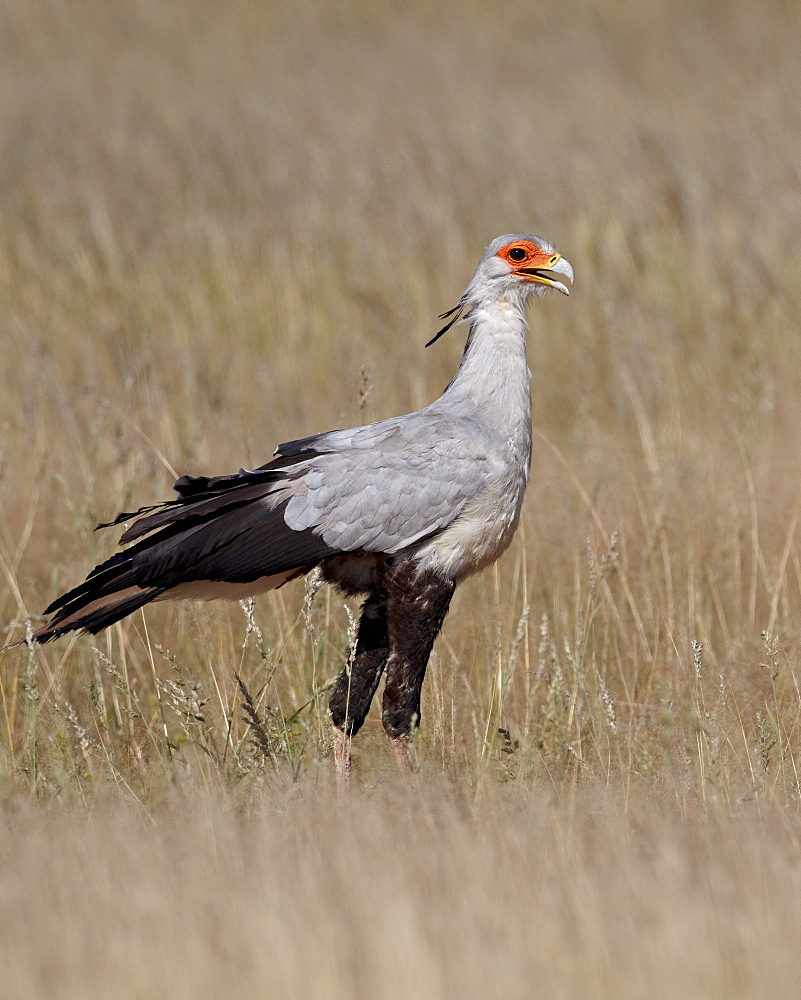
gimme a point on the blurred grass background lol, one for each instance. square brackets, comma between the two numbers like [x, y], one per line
[223, 226]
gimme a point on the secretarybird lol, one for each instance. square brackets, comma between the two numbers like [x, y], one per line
[400, 510]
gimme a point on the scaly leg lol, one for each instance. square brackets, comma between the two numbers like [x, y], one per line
[342, 761]
[402, 749]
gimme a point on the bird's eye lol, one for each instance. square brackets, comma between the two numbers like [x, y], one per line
[517, 254]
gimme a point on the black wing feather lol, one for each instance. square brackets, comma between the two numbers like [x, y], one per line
[238, 546]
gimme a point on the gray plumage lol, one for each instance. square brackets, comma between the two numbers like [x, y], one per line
[386, 486]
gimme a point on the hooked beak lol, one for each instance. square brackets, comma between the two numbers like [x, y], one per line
[546, 275]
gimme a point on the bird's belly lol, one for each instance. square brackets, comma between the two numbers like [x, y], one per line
[479, 536]
[212, 590]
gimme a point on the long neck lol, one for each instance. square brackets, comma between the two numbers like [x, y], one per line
[494, 375]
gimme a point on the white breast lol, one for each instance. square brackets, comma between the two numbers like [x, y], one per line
[482, 532]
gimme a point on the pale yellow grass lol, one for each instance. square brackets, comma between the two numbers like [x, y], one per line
[214, 218]
[519, 892]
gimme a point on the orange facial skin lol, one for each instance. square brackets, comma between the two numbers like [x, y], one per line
[525, 254]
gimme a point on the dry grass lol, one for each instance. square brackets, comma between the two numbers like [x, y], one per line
[213, 217]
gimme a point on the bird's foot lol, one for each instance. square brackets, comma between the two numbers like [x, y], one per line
[342, 761]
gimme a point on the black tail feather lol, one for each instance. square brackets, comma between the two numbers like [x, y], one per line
[98, 618]
[230, 531]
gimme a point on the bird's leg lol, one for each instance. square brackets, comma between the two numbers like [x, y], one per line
[416, 608]
[342, 758]
[402, 749]
[351, 698]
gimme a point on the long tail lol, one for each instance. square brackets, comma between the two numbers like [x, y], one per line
[100, 601]
[222, 537]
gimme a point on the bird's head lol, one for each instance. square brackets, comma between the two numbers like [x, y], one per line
[518, 265]
[512, 268]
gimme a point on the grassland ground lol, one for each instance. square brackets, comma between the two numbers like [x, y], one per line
[225, 226]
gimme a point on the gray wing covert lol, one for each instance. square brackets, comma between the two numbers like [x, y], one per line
[394, 483]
